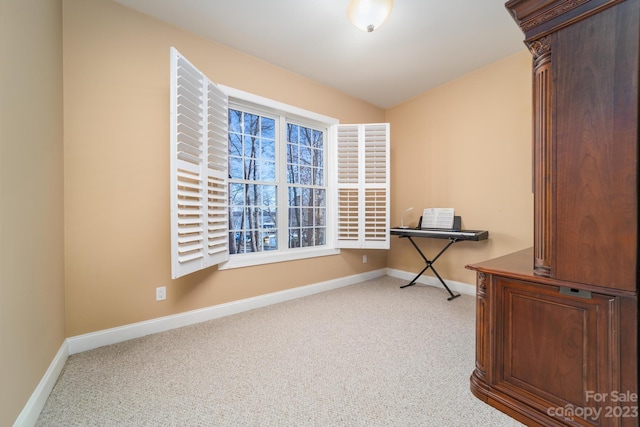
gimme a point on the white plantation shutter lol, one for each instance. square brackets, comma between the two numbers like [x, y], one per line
[199, 216]
[348, 188]
[363, 186]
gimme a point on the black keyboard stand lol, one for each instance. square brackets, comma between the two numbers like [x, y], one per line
[451, 235]
[429, 265]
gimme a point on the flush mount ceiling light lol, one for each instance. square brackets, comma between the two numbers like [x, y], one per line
[368, 15]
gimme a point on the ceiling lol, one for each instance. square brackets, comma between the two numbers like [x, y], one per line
[423, 44]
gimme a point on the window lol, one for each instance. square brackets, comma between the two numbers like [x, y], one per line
[306, 186]
[267, 195]
[253, 201]
[256, 181]
[279, 199]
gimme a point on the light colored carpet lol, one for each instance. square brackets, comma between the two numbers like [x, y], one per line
[369, 354]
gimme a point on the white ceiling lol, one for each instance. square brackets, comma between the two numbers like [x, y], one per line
[423, 44]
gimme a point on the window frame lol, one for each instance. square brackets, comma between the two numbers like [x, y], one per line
[238, 99]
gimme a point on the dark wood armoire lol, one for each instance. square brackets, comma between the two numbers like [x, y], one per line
[557, 324]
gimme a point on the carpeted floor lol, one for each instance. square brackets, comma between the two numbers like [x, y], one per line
[369, 354]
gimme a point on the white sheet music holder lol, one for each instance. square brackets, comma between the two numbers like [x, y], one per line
[438, 218]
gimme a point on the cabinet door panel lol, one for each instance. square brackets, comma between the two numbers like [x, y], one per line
[595, 68]
[554, 350]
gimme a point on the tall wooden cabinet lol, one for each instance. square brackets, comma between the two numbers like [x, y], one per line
[557, 324]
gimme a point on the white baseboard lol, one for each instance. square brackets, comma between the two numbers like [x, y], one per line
[462, 288]
[97, 339]
[36, 402]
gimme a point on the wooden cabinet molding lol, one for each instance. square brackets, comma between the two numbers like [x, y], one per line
[543, 149]
[540, 17]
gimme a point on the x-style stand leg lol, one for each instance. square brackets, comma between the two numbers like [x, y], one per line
[429, 265]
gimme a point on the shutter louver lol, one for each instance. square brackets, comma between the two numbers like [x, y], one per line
[363, 186]
[217, 174]
[198, 170]
[348, 154]
[348, 214]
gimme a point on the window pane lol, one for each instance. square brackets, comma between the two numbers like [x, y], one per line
[294, 217]
[236, 195]
[269, 197]
[292, 133]
[268, 149]
[304, 176]
[251, 124]
[306, 217]
[251, 146]
[237, 219]
[318, 176]
[294, 238]
[249, 167]
[292, 173]
[318, 139]
[268, 171]
[306, 237]
[235, 121]
[306, 136]
[294, 196]
[319, 197]
[319, 217]
[252, 191]
[305, 156]
[236, 169]
[270, 240]
[306, 196]
[318, 158]
[268, 128]
[235, 144]
[293, 154]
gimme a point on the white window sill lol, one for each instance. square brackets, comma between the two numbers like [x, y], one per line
[259, 258]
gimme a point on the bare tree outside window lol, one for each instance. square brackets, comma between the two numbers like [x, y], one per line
[305, 179]
[252, 183]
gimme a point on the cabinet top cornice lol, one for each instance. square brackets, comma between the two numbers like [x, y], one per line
[539, 17]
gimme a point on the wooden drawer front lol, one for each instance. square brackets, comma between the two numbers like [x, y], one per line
[553, 350]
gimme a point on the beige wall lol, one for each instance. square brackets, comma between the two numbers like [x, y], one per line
[31, 194]
[116, 124]
[466, 145]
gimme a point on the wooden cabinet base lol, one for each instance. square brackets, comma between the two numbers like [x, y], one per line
[550, 354]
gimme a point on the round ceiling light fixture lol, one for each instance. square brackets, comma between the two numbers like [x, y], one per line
[368, 15]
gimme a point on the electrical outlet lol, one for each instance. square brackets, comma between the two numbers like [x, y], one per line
[161, 293]
[364, 259]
